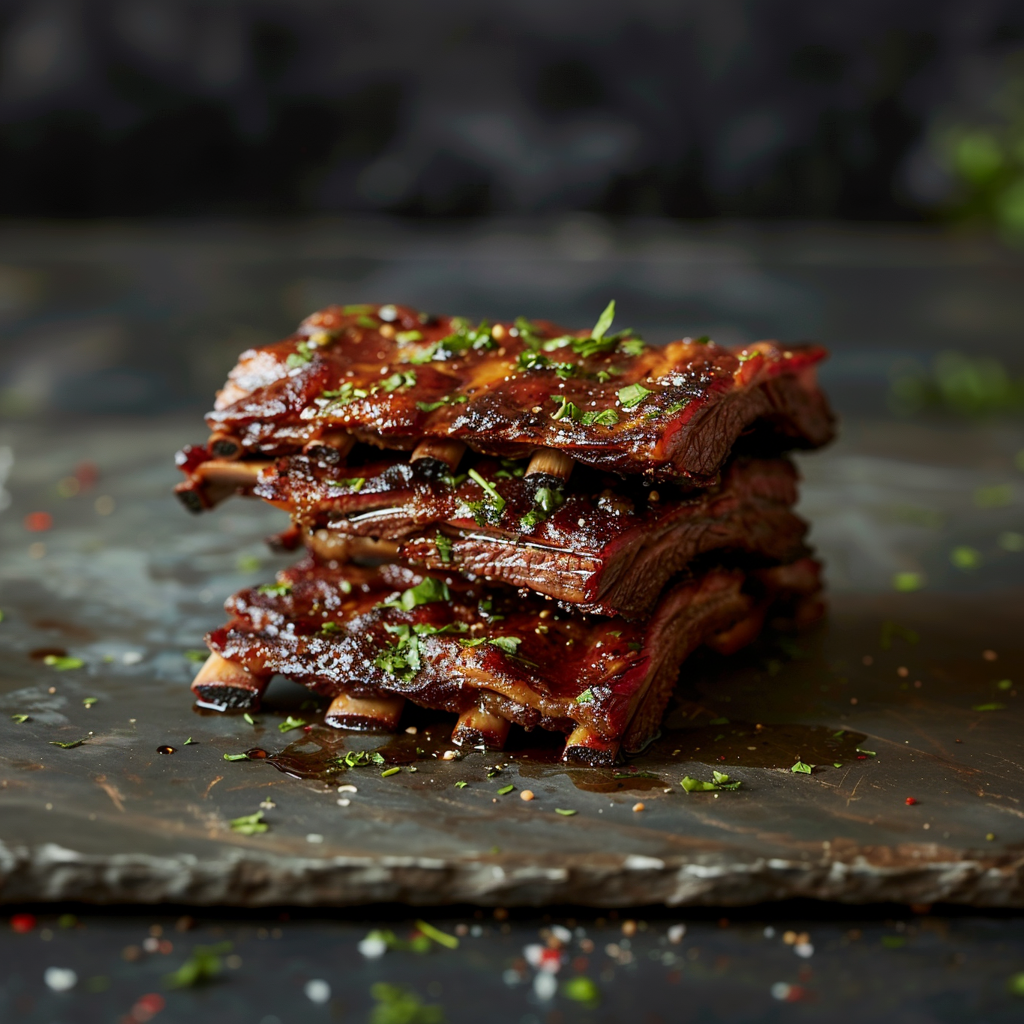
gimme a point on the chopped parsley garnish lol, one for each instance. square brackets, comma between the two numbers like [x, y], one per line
[635, 645]
[546, 501]
[368, 322]
[342, 396]
[236, 757]
[20, 719]
[330, 627]
[428, 590]
[357, 307]
[62, 664]
[300, 356]
[633, 395]
[531, 360]
[390, 771]
[497, 502]
[408, 337]
[566, 410]
[981, 707]
[586, 697]
[67, 746]
[275, 589]
[505, 790]
[290, 723]
[565, 812]
[444, 547]
[447, 400]
[398, 380]
[604, 418]
[669, 410]
[508, 644]
[527, 333]
[891, 630]
[632, 346]
[188, 742]
[249, 824]
[352, 483]
[252, 721]
[461, 785]
[802, 768]
[402, 658]
[360, 758]
[720, 781]
[440, 937]
[196, 655]
[461, 340]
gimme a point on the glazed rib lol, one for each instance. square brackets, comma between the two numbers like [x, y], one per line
[602, 544]
[392, 377]
[359, 631]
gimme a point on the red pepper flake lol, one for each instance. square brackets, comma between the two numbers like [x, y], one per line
[86, 474]
[22, 923]
[910, 801]
[307, 728]
[38, 522]
[862, 757]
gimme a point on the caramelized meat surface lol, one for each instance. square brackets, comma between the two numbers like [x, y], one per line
[598, 542]
[443, 642]
[392, 376]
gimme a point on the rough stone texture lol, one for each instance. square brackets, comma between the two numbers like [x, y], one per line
[112, 820]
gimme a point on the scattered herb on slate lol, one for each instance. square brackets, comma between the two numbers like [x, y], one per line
[197, 655]
[987, 707]
[721, 781]
[275, 589]
[20, 719]
[870, 753]
[236, 757]
[202, 966]
[461, 785]
[249, 824]
[397, 1005]
[249, 718]
[802, 768]
[188, 742]
[89, 701]
[290, 723]
[633, 395]
[440, 937]
[1, 616]
[564, 811]
[893, 630]
[67, 746]
[62, 664]
[719, 721]
[390, 771]
[506, 789]
[360, 758]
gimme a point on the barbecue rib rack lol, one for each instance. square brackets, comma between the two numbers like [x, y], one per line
[509, 522]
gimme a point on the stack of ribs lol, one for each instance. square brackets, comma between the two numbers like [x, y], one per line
[510, 522]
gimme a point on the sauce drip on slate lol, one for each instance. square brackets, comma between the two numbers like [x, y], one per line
[165, 749]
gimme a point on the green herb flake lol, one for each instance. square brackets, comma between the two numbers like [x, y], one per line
[440, 937]
[489, 489]
[88, 702]
[604, 418]
[427, 591]
[633, 395]
[444, 547]
[907, 582]
[62, 664]
[390, 771]
[249, 824]
[236, 757]
[566, 410]
[894, 941]
[275, 589]
[870, 753]
[988, 707]
[329, 628]
[586, 697]
[447, 400]
[196, 655]
[397, 1005]
[291, 723]
[893, 630]
[604, 321]
[837, 764]
[188, 742]
[720, 781]
[801, 768]
[719, 721]
[408, 337]
[398, 380]
[508, 644]
[202, 966]
[300, 357]
[66, 746]
[21, 719]
[461, 785]
[565, 812]
[505, 790]
[352, 483]
[635, 645]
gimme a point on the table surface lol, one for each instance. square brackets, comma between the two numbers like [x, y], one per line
[99, 325]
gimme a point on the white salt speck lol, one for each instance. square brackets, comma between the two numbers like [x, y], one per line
[131, 657]
[60, 979]
[545, 985]
[804, 949]
[561, 933]
[769, 932]
[780, 991]
[317, 990]
[314, 837]
[372, 947]
[676, 933]
[510, 977]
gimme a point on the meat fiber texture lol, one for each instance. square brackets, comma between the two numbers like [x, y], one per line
[446, 643]
[392, 376]
[602, 544]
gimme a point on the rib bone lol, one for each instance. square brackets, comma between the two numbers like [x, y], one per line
[444, 453]
[223, 684]
[585, 746]
[478, 727]
[213, 481]
[331, 446]
[365, 714]
[547, 462]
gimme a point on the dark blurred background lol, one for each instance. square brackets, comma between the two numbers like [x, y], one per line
[787, 108]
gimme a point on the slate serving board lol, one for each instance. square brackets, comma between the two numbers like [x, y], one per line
[129, 591]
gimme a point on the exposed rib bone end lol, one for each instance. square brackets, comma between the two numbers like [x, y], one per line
[365, 714]
[286, 540]
[332, 546]
[480, 728]
[331, 446]
[438, 456]
[585, 746]
[224, 446]
[549, 467]
[224, 684]
[215, 480]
